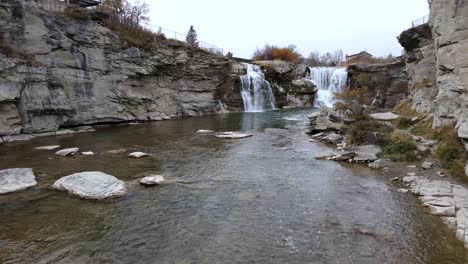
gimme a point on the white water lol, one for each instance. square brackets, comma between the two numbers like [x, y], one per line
[256, 91]
[329, 80]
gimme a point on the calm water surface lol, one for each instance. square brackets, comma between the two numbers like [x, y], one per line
[263, 199]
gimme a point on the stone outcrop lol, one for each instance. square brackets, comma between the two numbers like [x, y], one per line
[387, 83]
[437, 64]
[69, 72]
[289, 82]
[420, 66]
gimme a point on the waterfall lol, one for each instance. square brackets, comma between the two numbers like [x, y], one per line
[329, 80]
[256, 91]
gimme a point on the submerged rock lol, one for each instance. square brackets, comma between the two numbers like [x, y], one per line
[93, 185]
[48, 147]
[205, 131]
[88, 153]
[13, 180]
[138, 154]
[388, 116]
[152, 180]
[67, 152]
[116, 151]
[233, 135]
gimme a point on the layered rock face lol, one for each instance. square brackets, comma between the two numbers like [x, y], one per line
[449, 23]
[387, 83]
[437, 63]
[289, 83]
[79, 72]
[420, 65]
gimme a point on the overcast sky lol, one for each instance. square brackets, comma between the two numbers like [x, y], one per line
[324, 25]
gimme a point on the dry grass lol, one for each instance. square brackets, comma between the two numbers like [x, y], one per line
[400, 147]
[404, 109]
[450, 151]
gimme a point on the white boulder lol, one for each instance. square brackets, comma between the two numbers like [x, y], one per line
[93, 185]
[12, 180]
[152, 180]
[67, 152]
[87, 153]
[388, 116]
[138, 154]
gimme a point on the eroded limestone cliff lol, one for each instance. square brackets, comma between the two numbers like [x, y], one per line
[437, 64]
[68, 72]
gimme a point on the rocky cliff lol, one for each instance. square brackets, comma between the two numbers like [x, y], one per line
[289, 82]
[387, 83]
[56, 71]
[437, 64]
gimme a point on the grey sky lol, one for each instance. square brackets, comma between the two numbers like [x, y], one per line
[324, 25]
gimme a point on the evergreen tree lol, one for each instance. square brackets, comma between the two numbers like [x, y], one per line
[191, 37]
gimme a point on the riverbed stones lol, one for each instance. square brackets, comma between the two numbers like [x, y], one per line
[388, 116]
[92, 185]
[152, 180]
[380, 164]
[343, 156]
[233, 135]
[333, 138]
[67, 152]
[53, 147]
[138, 154]
[426, 165]
[13, 180]
[87, 153]
[366, 153]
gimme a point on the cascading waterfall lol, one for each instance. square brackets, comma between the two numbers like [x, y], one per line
[256, 91]
[329, 80]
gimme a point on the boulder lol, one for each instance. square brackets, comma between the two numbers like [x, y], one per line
[48, 147]
[93, 185]
[388, 116]
[138, 154]
[13, 180]
[152, 180]
[333, 138]
[426, 165]
[343, 156]
[67, 152]
[380, 164]
[366, 153]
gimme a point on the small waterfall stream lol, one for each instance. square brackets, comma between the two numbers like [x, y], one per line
[329, 80]
[256, 91]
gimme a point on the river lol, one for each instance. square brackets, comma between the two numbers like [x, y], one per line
[263, 199]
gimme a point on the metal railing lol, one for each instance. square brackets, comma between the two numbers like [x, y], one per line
[171, 34]
[421, 21]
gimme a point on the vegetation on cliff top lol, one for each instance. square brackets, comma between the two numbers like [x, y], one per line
[272, 52]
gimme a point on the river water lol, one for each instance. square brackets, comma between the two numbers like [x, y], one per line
[263, 199]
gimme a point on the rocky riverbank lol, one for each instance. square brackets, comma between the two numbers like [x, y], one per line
[424, 177]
